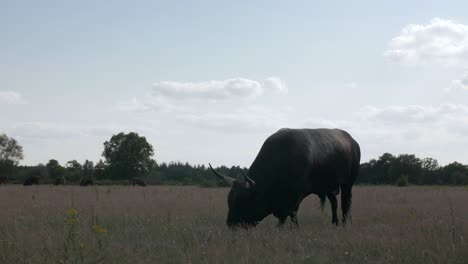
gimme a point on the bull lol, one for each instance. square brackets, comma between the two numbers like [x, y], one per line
[292, 164]
[86, 182]
[59, 181]
[31, 180]
[137, 181]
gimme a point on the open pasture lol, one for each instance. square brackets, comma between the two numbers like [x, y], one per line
[162, 224]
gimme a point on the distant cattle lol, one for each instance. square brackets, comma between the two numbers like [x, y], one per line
[137, 181]
[86, 182]
[3, 179]
[31, 180]
[59, 181]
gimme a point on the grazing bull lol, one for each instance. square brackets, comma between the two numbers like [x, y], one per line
[86, 182]
[31, 180]
[138, 181]
[59, 181]
[292, 164]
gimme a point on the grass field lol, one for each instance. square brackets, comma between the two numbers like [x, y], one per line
[187, 225]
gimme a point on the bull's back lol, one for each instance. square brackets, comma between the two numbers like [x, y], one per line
[316, 145]
[315, 156]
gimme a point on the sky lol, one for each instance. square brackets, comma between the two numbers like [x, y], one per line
[209, 81]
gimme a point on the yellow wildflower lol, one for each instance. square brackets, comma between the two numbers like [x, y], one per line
[72, 212]
[71, 221]
[99, 229]
[82, 245]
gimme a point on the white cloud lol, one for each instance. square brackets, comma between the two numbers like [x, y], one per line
[146, 104]
[11, 98]
[441, 41]
[461, 84]
[248, 119]
[275, 85]
[437, 131]
[351, 85]
[193, 103]
[236, 88]
[446, 114]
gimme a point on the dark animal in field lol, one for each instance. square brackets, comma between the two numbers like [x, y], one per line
[59, 181]
[3, 179]
[292, 164]
[138, 181]
[86, 182]
[31, 180]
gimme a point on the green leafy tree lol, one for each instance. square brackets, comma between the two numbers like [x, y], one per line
[431, 171]
[454, 174]
[10, 150]
[54, 169]
[74, 171]
[407, 164]
[99, 170]
[88, 169]
[10, 155]
[73, 164]
[127, 156]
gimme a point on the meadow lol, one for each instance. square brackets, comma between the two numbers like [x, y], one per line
[168, 224]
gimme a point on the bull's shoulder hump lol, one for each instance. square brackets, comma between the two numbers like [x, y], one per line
[319, 137]
[320, 134]
[317, 133]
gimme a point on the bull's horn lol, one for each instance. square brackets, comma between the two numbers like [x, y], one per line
[227, 179]
[249, 180]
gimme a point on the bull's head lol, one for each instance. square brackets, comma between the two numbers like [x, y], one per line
[240, 200]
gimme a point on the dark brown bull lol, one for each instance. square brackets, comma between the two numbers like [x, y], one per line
[31, 180]
[86, 182]
[292, 164]
[137, 181]
[60, 181]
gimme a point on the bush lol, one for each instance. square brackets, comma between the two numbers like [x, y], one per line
[402, 181]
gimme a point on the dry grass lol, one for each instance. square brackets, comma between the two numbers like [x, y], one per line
[186, 225]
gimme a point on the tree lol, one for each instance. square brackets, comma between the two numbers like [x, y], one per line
[88, 169]
[74, 171]
[383, 165]
[99, 170]
[73, 164]
[127, 156]
[10, 155]
[431, 171]
[10, 150]
[454, 173]
[406, 164]
[54, 169]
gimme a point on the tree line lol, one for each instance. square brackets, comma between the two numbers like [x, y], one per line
[407, 169]
[130, 156]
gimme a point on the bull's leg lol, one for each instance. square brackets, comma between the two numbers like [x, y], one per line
[293, 217]
[322, 200]
[334, 206]
[346, 197]
[281, 220]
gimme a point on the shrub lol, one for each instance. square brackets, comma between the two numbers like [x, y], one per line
[402, 181]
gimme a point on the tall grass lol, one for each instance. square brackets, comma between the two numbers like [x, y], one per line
[123, 224]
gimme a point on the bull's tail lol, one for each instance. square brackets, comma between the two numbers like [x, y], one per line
[322, 201]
